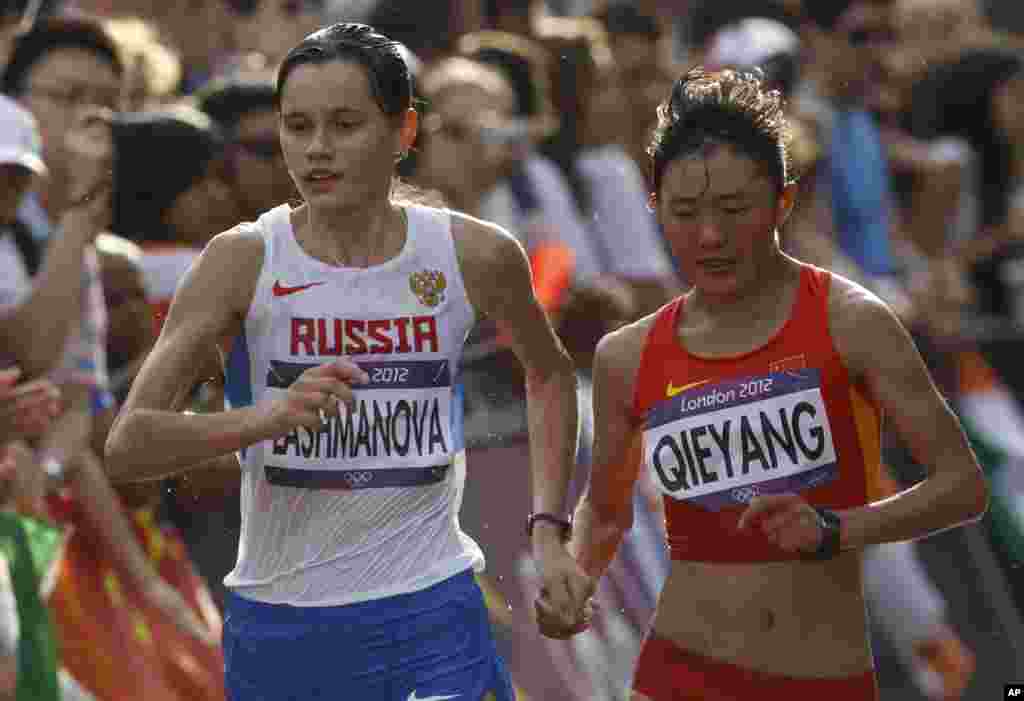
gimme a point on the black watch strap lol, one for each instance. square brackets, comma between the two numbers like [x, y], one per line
[830, 525]
[564, 524]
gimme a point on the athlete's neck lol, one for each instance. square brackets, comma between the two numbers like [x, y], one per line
[772, 277]
[353, 236]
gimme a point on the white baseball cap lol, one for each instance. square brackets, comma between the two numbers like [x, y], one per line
[751, 41]
[20, 143]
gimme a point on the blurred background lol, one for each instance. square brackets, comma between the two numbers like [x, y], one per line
[908, 143]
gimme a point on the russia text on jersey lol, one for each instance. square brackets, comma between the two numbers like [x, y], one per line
[335, 337]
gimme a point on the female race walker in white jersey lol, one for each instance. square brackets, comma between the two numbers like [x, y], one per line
[345, 319]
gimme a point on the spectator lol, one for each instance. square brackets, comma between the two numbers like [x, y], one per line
[187, 199]
[836, 97]
[81, 184]
[525, 64]
[173, 212]
[425, 27]
[37, 322]
[246, 113]
[610, 188]
[641, 48]
[271, 27]
[203, 34]
[56, 70]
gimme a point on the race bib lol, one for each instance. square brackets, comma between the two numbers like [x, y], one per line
[402, 419]
[723, 443]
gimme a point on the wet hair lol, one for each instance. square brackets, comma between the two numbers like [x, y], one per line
[390, 80]
[53, 35]
[725, 107]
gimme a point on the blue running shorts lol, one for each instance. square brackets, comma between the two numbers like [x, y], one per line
[430, 645]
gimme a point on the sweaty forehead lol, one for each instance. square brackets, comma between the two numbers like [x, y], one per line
[334, 85]
[715, 170]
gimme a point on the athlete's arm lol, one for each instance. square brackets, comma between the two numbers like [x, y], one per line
[497, 275]
[605, 513]
[879, 351]
[150, 438]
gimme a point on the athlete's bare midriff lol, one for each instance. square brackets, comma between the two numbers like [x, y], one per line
[799, 619]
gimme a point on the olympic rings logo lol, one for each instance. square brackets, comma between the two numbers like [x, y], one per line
[745, 494]
[356, 479]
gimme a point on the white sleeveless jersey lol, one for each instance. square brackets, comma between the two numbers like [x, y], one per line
[367, 506]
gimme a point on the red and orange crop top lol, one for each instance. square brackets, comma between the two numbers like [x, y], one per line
[783, 418]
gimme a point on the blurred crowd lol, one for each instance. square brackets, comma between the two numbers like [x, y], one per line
[133, 131]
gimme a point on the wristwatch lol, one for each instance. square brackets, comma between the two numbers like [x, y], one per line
[564, 524]
[831, 525]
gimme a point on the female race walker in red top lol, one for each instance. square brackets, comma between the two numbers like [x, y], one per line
[345, 319]
[756, 402]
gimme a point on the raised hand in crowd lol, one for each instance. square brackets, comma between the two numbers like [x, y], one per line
[26, 409]
[36, 330]
[90, 148]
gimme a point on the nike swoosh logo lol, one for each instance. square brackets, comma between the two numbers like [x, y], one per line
[671, 391]
[280, 290]
[414, 697]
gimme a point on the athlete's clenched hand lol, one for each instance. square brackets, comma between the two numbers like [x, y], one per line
[786, 520]
[315, 395]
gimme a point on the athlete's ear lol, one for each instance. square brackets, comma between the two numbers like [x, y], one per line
[787, 199]
[408, 130]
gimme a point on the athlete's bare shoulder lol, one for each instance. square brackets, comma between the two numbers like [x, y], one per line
[244, 240]
[865, 330]
[223, 278]
[235, 255]
[626, 342]
[618, 355]
[481, 243]
[494, 264]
